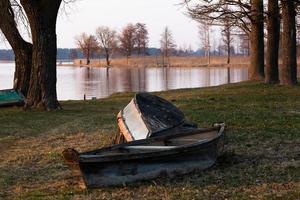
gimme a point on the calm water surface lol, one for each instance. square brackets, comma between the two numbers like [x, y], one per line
[74, 82]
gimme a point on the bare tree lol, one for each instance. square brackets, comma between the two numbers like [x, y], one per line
[244, 46]
[88, 45]
[142, 38]
[204, 33]
[167, 44]
[107, 41]
[246, 14]
[128, 40]
[288, 69]
[227, 38]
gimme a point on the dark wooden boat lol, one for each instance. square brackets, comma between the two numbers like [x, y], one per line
[167, 155]
[11, 98]
[147, 116]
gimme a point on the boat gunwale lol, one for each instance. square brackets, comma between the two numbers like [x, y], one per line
[152, 154]
[152, 139]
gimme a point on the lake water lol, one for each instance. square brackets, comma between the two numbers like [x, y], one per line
[75, 82]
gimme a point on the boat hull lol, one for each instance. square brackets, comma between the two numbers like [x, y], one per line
[99, 174]
[11, 98]
[168, 155]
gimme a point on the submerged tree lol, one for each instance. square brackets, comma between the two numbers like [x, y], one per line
[227, 38]
[142, 38]
[167, 44]
[204, 33]
[88, 45]
[107, 41]
[128, 40]
[244, 45]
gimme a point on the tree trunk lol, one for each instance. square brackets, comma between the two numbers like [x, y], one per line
[42, 18]
[107, 57]
[88, 57]
[21, 48]
[228, 52]
[288, 69]
[107, 60]
[273, 27]
[23, 62]
[256, 71]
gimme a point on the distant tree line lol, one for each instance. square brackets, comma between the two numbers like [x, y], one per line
[75, 53]
[133, 39]
[7, 55]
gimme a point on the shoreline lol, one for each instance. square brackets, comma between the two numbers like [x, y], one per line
[172, 66]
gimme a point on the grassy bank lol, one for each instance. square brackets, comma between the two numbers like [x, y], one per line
[262, 159]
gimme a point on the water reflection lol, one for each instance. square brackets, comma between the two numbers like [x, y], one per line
[75, 82]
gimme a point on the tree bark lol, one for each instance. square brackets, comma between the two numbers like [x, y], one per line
[256, 71]
[23, 62]
[88, 57]
[272, 76]
[42, 17]
[228, 52]
[21, 48]
[288, 69]
[107, 57]
[107, 60]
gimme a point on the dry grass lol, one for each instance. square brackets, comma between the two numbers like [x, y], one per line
[262, 159]
[152, 61]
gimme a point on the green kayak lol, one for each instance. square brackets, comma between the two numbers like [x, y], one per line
[11, 98]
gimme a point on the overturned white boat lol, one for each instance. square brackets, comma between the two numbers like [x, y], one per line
[148, 116]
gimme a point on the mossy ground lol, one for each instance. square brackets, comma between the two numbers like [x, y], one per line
[262, 159]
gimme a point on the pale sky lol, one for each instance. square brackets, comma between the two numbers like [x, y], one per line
[87, 15]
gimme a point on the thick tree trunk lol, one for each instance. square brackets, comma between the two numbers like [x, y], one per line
[288, 69]
[271, 72]
[23, 60]
[42, 18]
[21, 48]
[256, 71]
